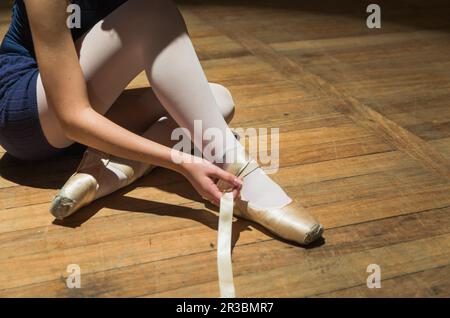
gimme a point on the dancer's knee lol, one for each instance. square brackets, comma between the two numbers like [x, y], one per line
[224, 100]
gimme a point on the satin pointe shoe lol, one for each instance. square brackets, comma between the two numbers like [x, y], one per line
[291, 222]
[97, 175]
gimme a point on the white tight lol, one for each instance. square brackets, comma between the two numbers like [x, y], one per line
[151, 35]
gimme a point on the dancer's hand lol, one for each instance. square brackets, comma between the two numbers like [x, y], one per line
[203, 176]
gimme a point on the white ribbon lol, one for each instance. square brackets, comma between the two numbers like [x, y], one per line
[224, 265]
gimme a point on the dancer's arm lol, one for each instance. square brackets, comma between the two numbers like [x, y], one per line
[66, 92]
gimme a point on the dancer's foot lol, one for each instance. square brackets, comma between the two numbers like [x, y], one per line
[98, 175]
[264, 202]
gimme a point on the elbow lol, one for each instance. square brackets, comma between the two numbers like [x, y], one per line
[73, 125]
[71, 131]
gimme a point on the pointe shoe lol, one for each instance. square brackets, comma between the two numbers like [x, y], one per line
[82, 187]
[291, 222]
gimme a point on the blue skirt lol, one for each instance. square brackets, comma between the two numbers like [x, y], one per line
[20, 129]
[21, 133]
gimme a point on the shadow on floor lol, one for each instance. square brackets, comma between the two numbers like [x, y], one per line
[208, 217]
[43, 174]
[54, 172]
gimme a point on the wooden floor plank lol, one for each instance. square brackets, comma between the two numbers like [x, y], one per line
[192, 274]
[360, 113]
[435, 283]
[33, 216]
[317, 144]
[347, 271]
[18, 249]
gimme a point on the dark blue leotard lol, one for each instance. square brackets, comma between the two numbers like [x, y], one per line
[20, 130]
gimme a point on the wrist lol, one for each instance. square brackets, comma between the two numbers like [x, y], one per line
[178, 161]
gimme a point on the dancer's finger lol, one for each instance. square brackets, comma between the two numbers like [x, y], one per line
[228, 177]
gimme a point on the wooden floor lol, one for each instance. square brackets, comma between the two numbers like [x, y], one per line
[365, 144]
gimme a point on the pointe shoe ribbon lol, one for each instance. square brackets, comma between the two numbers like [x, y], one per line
[224, 265]
[291, 222]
